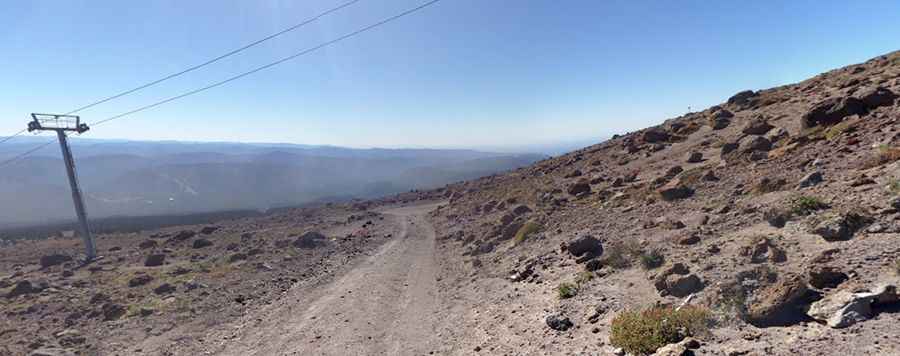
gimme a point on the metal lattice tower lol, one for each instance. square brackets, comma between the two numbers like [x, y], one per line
[61, 124]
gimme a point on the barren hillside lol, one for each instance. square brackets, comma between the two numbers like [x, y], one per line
[769, 210]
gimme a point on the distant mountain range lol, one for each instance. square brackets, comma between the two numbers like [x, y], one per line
[140, 178]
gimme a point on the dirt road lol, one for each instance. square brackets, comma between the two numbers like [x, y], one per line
[387, 305]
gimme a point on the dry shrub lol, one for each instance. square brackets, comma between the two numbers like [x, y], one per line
[642, 332]
[885, 154]
[619, 255]
[529, 228]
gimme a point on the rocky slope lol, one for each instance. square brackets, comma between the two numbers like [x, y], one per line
[777, 211]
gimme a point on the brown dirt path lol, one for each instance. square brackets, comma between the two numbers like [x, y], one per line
[389, 304]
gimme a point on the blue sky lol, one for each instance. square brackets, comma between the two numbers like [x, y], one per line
[462, 73]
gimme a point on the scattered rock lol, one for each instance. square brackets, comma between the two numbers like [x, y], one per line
[810, 180]
[778, 304]
[155, 260]
[742, 99]
[826, 277]
[751, 144]
[762, 250]
[840, 227]
[690, 239]
[677, 280]
[877, 96]
[206, 230]
[22, 288]
[558, 322]
[757, 126]
[694, 157]
[54, 260]
[586, 244]
[164, 288]
[845, 308]
[675, 190]
[201, 243]
[521, 210]
[833, 110]
[113, 311]
[582, 186]
[183, 235]
[310, 239]
[654, 135]
[148, 244]
[139, 280]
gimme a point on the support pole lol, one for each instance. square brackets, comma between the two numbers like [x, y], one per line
[84, 230]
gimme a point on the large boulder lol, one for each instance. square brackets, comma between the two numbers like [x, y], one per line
[720, 119]
[558, 322]
[23, 288]
[677, 280]
[755, 143]
[742, 99]
[183, 235]
[675, 190]
[757, 126]
[877, 96]
[310, 239]
[654, 135]
[580, 187]
[832, 110]
[54, 259]
[845, 308]
[779, 303]
[586, 244]
[155, 260]
[840, 227]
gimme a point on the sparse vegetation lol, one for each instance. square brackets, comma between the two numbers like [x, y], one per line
[529, 228]
[619, 255]
[652, 259]
[885, 154]
[836, 130]
[731, 304]
[804, 205]
[894, 186]
[767, 185]
[583, 277]
[566, 290]
[642, 332]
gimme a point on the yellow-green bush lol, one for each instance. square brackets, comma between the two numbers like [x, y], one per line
[642, 332]
[529, 228]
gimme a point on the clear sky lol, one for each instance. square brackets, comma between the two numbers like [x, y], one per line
[462, 73]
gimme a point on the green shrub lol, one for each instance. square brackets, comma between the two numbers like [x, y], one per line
[652, 259]
[642, 332]
[805, 205]
[530, 227]
[566, 290]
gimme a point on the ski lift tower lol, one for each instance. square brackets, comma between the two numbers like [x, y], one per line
[62, 124]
